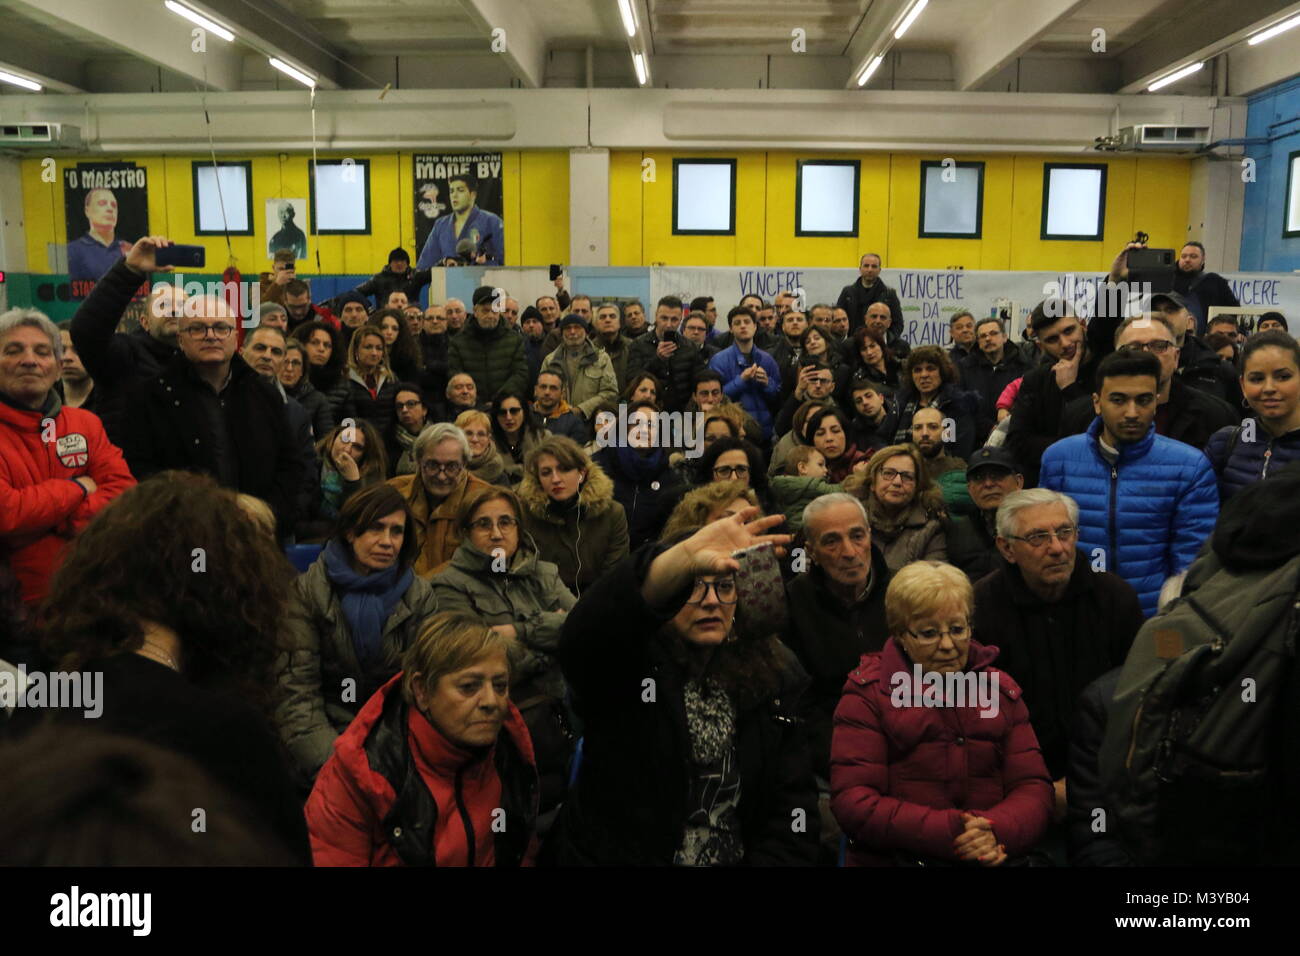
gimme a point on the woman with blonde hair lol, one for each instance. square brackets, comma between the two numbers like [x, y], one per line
[484, 460]
[706, 504]
[904, 506]
[933, 759]
[447, 720]
[371, 385]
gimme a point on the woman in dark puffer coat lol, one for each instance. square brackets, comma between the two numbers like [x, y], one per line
[692, 754]
[1268, 442]
[645, 484]
[924, 780]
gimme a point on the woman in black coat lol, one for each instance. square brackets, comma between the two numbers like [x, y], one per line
[692, 754]
[645, 483]
[371, 385]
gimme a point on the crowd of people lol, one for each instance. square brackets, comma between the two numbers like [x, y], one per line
[407, 585]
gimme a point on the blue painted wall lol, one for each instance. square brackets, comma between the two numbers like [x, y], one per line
[1273, 114]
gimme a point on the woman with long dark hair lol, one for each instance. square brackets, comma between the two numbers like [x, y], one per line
[871, 358]
[404, 356]
[326, 362]
[175, 601]
[515, 431]
[930, 380]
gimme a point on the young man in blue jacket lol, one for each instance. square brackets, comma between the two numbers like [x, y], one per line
[749, 375]
[1146, 502]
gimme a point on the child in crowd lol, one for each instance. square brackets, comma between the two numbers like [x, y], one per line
[804, 479]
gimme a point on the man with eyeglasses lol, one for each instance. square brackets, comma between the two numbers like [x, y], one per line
[436, 491]
[118, 362]
[1198, 365]
[208, 410]
[1147, 502]
[837, 614]
[1059, 621]
[989, 367]
[1185, 414]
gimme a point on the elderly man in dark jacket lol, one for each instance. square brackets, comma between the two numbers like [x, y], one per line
[990, 368]
[116, 362]
[1059, 624]
[991, 475]
[489, 350]
[207, 410]
[667, 355]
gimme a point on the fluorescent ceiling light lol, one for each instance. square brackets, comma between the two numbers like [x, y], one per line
[20, 81]
[639, 62]
[195, 17]
[629, 21]
[1274, 30]
[296, 73]
[910, 18]
[871, 68]
[1174, 77]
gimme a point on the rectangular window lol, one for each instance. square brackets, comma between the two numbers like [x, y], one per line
[1291, 228]
[704, 197]
[952, 200]
[1074, 201]
[340, 196]
[826, 197]
[223, 198]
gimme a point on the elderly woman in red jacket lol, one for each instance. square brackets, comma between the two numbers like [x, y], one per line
[448, 718]
[933, 760]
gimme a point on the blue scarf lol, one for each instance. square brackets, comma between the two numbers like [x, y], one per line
[368, 599]
[640, 468]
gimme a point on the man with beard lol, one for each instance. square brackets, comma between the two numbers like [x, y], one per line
[551, 407]
[1146, 502]
[1065, 375]
[945, 470]
[991, 475]
[1201, 290]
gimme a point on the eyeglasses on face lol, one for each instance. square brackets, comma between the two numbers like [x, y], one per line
[724, 589]
[505, 523]
[906, 477]
[449, 468]
[1038, 539]
[730, 471]
[1155, 346]
[403, 406]
[928, 637]
[219, 330]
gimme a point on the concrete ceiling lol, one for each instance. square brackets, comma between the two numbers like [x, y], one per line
[138, 46]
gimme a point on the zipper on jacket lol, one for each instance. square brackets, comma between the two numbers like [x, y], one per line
[1114, 552]
[464, 819]
[1268, 453]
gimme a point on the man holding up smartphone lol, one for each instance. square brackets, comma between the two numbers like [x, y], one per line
[666, 355]
[749, 375]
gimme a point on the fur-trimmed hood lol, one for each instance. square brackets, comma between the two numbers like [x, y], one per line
[596, 496]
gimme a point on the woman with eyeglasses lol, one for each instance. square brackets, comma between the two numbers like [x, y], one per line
[515, 431]
[497, 576]
[827, 430]
[734, 459]
[933, 759]
[645, 484]
[692, 751]
[412, 411]
[297, 385]
[484, 459]
[571, 512]
[356, 609]
[904, 506]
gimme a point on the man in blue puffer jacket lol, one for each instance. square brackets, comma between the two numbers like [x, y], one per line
[1146, 502]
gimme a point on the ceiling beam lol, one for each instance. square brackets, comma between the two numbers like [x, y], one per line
[146, 31]
[1021, 23]
[58, 74]
[524, 41]
[1183, 40]
[274, 30]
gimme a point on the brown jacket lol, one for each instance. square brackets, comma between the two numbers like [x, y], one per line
[439, 529]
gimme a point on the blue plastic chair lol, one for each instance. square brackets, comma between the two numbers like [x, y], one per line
[302, 556]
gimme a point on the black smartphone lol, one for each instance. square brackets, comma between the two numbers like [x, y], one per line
[184, 257]
[672, 335]
[556, 271]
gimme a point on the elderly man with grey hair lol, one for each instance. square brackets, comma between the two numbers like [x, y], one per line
[207, 410]
[1059, 623]
[441, 484]
[57, 467]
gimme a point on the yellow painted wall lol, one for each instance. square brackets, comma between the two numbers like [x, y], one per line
[536, 207]
[1148, 193]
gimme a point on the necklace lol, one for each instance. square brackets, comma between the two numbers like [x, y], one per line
[163, 657]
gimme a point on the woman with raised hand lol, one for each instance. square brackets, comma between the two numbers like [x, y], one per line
[692, 752]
